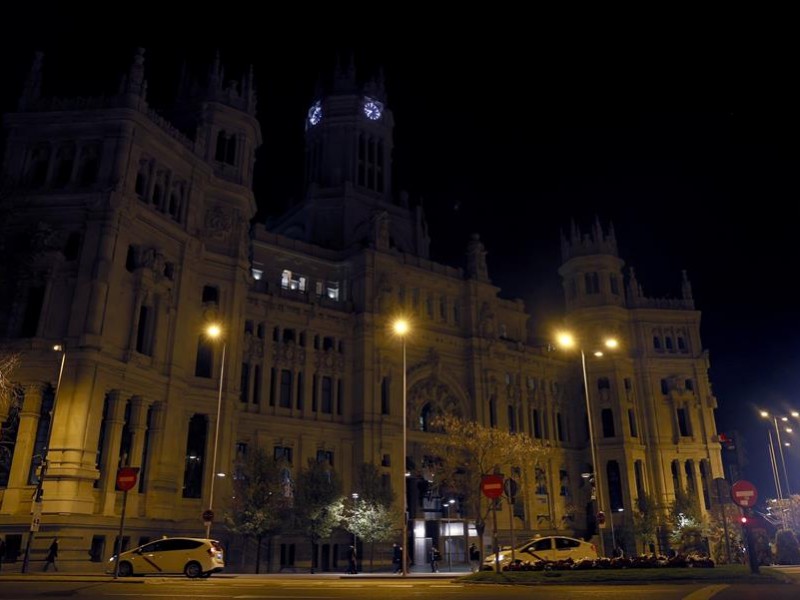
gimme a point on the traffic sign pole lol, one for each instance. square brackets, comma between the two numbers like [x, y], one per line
[126, 480]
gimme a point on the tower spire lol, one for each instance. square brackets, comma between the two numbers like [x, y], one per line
[33, 83]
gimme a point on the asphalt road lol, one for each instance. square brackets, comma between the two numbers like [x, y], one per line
[384, 589]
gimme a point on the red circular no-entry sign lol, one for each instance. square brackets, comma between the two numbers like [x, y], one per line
[744, 493]
[492, 486]
[126, 478]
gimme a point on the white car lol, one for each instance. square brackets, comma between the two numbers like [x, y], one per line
[551, 548]
[194, 557]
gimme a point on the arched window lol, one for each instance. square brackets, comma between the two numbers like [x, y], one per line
[425, 417]
[38, 165]
[89, 164]
[65, 159]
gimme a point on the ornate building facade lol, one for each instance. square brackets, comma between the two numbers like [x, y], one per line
[124, 233]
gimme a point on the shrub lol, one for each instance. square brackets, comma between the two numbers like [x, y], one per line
[787, 549]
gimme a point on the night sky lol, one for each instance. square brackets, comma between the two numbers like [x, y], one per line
[686, 138]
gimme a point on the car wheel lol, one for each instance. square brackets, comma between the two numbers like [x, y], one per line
[125, 569]
[193, 569]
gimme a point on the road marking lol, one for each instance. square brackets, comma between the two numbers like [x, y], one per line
[706, 592]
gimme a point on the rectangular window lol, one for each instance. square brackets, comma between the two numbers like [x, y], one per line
[101, 440]
[325, 456]
[205, 358]
[385, 396]
[512, 419]
[443, 308]
[210, 294]
[286, 389]
[632, 423]
[614, 284]
[681, 344]
[244, 384]
[97, 549]
[327, 395]
[332, 290]
[559, 427]
[456, 313]
[664, 386]
[492, 412]
[256, 384]
[536, 426]
[283, 453]
[195, 454]
[628, 384]
[293, 281]
[563, 477]
[608, 422]
[273, 373]
[145, 451]
[592, 283]
[339, 396]
[300, 391]
[689, 385]
[683, 423]
[315, 394]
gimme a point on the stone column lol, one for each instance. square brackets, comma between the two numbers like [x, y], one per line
[18, 495]
[109, 460]
[99, 288]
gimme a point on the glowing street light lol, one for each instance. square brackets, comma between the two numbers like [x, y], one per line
[783, 419]
[567, 340]
[214, 331]
[401, 328]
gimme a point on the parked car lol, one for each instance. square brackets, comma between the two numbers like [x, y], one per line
[550, 548]
[194, 557]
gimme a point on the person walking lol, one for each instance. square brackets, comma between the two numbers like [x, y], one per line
[434, 558]
[2, 552]
[52, 555]
[474, 557]
[397, 558]
[351, 557]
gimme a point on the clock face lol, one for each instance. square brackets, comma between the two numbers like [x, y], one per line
[315, 113]
[373, 109]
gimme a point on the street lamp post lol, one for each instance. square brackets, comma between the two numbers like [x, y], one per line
[766, 415]
[354, 495]
[37, 495]
[566, 340]
[401, 328]
[214, 332]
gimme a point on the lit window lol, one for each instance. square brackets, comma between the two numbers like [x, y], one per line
[333, 290]
[293, 281]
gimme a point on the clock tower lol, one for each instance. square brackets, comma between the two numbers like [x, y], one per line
[348, 173]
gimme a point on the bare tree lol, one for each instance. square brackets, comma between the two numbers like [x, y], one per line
[465, 451]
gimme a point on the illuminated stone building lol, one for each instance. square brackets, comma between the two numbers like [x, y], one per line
[125, 232]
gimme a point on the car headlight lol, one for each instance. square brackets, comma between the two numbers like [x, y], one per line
[113, 558]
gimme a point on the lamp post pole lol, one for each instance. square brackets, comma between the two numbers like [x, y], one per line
[598, 488]
[403, 465]
[783, 460]
[216, 440]
[37, 495]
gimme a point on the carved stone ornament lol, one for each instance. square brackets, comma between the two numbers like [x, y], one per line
[219, 223]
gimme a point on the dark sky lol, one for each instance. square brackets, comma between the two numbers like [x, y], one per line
[685, 136]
